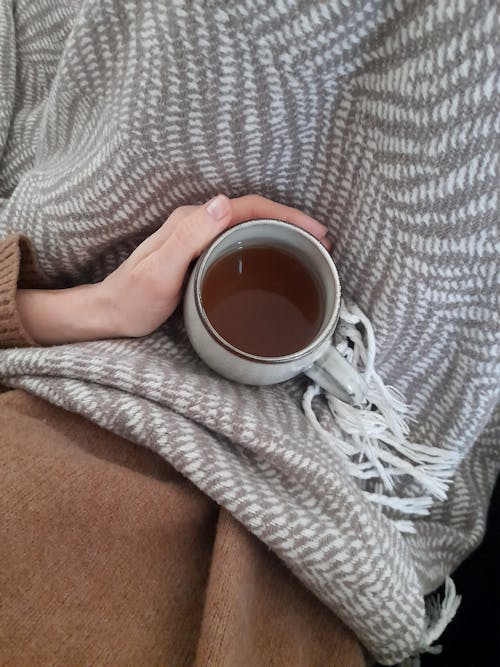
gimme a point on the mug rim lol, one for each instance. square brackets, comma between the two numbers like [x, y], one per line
[325, 331]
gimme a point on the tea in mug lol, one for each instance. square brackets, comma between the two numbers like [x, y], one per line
[263, 300]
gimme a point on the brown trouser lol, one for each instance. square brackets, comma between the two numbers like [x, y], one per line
[110, 557]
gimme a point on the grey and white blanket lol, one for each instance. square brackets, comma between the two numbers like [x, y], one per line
[381, 119]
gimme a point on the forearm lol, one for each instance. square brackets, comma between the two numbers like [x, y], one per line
[54, 317]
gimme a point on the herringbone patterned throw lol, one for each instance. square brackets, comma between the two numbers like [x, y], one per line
[381, 119]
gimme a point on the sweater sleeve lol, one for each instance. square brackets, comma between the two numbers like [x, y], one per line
[18, 268]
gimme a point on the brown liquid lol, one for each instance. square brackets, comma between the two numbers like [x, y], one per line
[263, 301]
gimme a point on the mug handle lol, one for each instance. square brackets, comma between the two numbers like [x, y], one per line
[336, 376]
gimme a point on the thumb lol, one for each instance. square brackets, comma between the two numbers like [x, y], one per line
[190, 236]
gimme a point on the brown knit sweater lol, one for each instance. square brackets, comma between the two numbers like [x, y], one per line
[18, 267]
[110, 557]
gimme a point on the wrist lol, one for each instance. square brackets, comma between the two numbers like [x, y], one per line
[54, 317]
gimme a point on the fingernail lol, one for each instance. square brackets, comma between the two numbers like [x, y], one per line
[219, 207]
[317, 228]
[323, 228]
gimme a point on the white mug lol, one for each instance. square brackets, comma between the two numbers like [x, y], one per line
[319, 360]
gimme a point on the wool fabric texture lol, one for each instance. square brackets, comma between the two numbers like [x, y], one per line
[379, 118]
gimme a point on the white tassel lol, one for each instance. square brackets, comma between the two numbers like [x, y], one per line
[405, 526]
[439, 615]
[374, 439]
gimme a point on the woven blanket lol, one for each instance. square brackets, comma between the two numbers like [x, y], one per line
[379, 118]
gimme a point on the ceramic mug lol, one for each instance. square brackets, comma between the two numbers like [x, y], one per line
[319, 360]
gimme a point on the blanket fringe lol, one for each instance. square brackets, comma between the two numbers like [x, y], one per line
[439, 615]
[374, 439]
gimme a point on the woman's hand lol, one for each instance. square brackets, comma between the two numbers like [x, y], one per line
[145, 290]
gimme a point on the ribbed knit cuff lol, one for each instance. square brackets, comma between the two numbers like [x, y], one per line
[18, 267]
